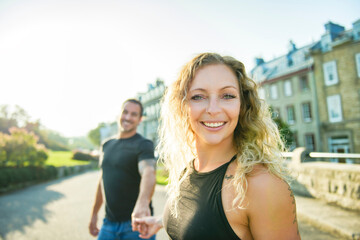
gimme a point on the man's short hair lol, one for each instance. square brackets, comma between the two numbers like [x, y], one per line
[133, 100]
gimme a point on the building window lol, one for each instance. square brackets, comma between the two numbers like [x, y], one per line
[275, 112]
[310, 142]
[304, 83]
[334, 108]
[290, 114]
[294, 143]
[287, 88]
[330, 73]
[262, 93]
[306, 109]
[274, 91]
[339, 144]
[357, 60]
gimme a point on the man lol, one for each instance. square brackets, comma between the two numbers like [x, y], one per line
[128, 178]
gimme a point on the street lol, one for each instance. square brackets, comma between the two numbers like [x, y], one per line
[60, 210]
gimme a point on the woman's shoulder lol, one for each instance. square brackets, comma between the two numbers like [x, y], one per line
[261, 182]
[271, 205]
[268, 192]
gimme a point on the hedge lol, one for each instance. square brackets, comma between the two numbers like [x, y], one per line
[83, 156]
[13, 175]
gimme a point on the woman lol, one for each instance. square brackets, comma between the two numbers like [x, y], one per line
[223, 154]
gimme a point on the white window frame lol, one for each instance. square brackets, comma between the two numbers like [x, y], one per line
[274, 91]
[310, 145]
[287, 88]
[306, 83]
[334, 108]
[330, 69]
[289, 120]
[305, 117]
[357, 60]
[262, 93]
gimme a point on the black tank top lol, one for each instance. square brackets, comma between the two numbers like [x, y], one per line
[200, 210]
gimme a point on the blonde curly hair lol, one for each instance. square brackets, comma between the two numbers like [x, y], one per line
[256, 136]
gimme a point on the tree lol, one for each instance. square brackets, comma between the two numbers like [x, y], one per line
[95, 136]
[15, 117]
[6, 122]
[80, 143]
[18, 117]
[284, 129]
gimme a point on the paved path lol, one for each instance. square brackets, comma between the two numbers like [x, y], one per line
[60, 210]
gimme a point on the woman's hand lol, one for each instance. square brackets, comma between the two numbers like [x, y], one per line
[149, 226]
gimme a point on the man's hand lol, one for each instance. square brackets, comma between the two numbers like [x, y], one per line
[147, 185]
[141, 210]
[93, 229]
[153, 225]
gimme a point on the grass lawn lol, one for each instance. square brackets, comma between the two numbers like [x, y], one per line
[63, 158]
[161, 177]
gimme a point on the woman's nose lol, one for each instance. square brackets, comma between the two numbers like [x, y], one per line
[213, 106]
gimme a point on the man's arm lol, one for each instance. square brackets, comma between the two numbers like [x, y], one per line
[93, 229]
[147, 186]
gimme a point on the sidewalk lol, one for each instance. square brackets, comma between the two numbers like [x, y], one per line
[328, 217]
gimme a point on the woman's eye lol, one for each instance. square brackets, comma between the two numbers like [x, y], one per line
[228, 96]
[196, 97]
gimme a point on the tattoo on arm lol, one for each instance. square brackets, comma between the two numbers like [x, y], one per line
[146, 163]
[293, 202]
[227, 177]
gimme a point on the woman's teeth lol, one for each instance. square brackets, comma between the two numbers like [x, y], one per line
[214, 124]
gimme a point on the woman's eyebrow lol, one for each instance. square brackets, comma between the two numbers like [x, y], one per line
[202, 89]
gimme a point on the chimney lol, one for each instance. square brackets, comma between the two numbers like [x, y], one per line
[333, 29]
[291, 46]
[356, 30]
[259, 61]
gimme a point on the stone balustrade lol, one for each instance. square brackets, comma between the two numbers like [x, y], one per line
[337, 183]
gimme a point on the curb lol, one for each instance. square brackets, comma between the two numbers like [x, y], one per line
[325, 226]
[330, 218]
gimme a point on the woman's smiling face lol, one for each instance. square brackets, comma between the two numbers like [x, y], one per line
[214, 104]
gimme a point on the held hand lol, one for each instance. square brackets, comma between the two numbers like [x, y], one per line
[140, 210]
[93, 229]
[153, 225]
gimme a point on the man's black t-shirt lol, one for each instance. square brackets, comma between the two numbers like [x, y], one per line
[121, 177]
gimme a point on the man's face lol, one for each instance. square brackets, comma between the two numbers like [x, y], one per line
[130, 117]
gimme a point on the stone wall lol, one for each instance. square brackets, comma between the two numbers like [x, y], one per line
[333, 182]
[67, 170]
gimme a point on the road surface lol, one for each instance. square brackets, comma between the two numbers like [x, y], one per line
[60, 210]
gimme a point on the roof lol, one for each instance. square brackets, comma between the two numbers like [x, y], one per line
[292, 62]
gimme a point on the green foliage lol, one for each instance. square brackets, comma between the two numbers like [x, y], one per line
[17, 117]
[63, 158]
[13, 175]
[285, 132]
[11, 117]
[162, 176]
[6, 124]
[284, 129]
[20, 149]
[80, 143]
[50, 139]
[94, 135]
[83, 156]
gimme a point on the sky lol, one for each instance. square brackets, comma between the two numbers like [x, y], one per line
[71, 63]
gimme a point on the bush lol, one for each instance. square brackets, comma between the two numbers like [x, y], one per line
[83, 156]
[5, 177]
[20, 149]
[13, 175]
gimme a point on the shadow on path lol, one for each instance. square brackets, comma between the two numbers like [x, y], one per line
[21, 209]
